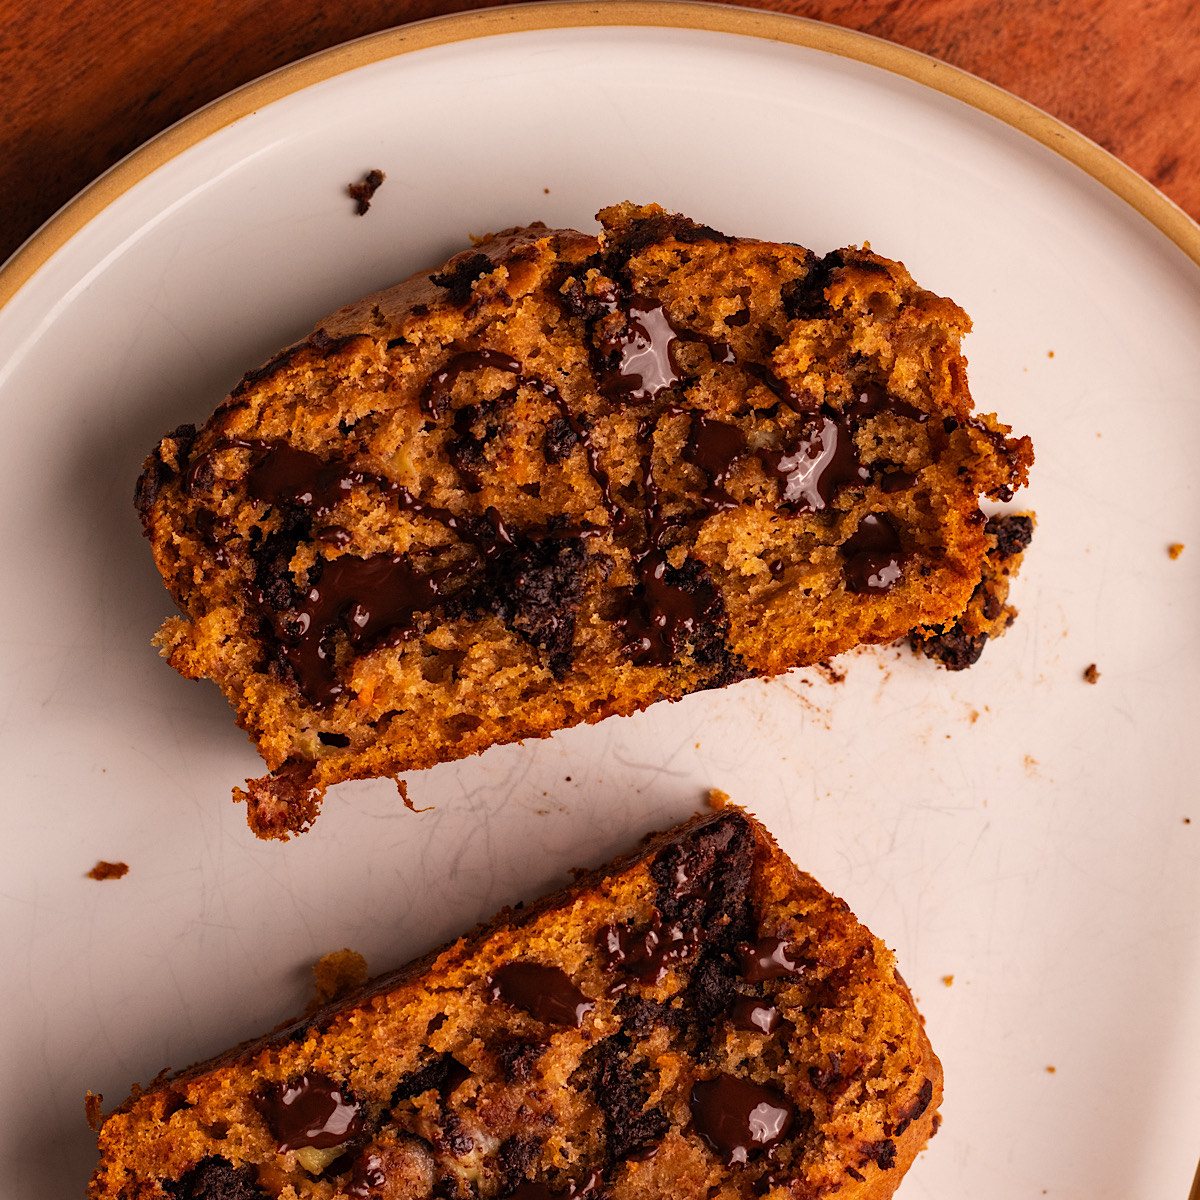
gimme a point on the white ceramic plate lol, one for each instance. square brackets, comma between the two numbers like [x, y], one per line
[1011, 826]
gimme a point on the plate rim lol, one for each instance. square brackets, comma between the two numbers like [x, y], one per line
[703, 15]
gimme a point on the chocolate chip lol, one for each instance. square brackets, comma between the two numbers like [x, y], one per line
[1012, 533]
[716, 447]
[619, 1093]
[711, 990]
[646, 954]
[560, 440]
[272, 561]
[452, 1137]
[673, 606]
[883, 1152]
[873, 556]
[545, 992]
[635, 363]
[645, 231]
[825, 1078]
[767, 958]
[375, 601]
[710, 866]
[530, 1190]
[369, 1176]
[755, 1015]
[804, 299]
[435, 1074]
[517, 1059]
[577, 302]
[953, 648]
[216, 1178]
[738, 1118]
[311, 1110]
[639, 1015]
[924, 1099]
[149, 484]
[516, 1156]
[467, 451]
[536, 590]
[462, 274]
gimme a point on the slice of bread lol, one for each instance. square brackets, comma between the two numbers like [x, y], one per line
[699, 1019]
[560, 479]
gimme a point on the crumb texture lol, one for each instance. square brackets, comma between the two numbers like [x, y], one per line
[108, 870]
[337, 974]
[563, 477]
[698, 1019]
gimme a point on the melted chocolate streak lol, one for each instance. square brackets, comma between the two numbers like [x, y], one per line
[814, 467]
[309, 1111]
[544, 992]
[646, 955]
[737, 1118]
[376, 600]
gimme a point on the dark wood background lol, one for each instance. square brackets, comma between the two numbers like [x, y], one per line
[86, 81]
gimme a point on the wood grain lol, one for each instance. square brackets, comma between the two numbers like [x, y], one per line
[87, 81]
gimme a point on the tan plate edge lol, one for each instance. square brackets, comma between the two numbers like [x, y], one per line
[1123, 181]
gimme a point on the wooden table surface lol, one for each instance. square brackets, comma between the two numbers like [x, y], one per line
[86, 81]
